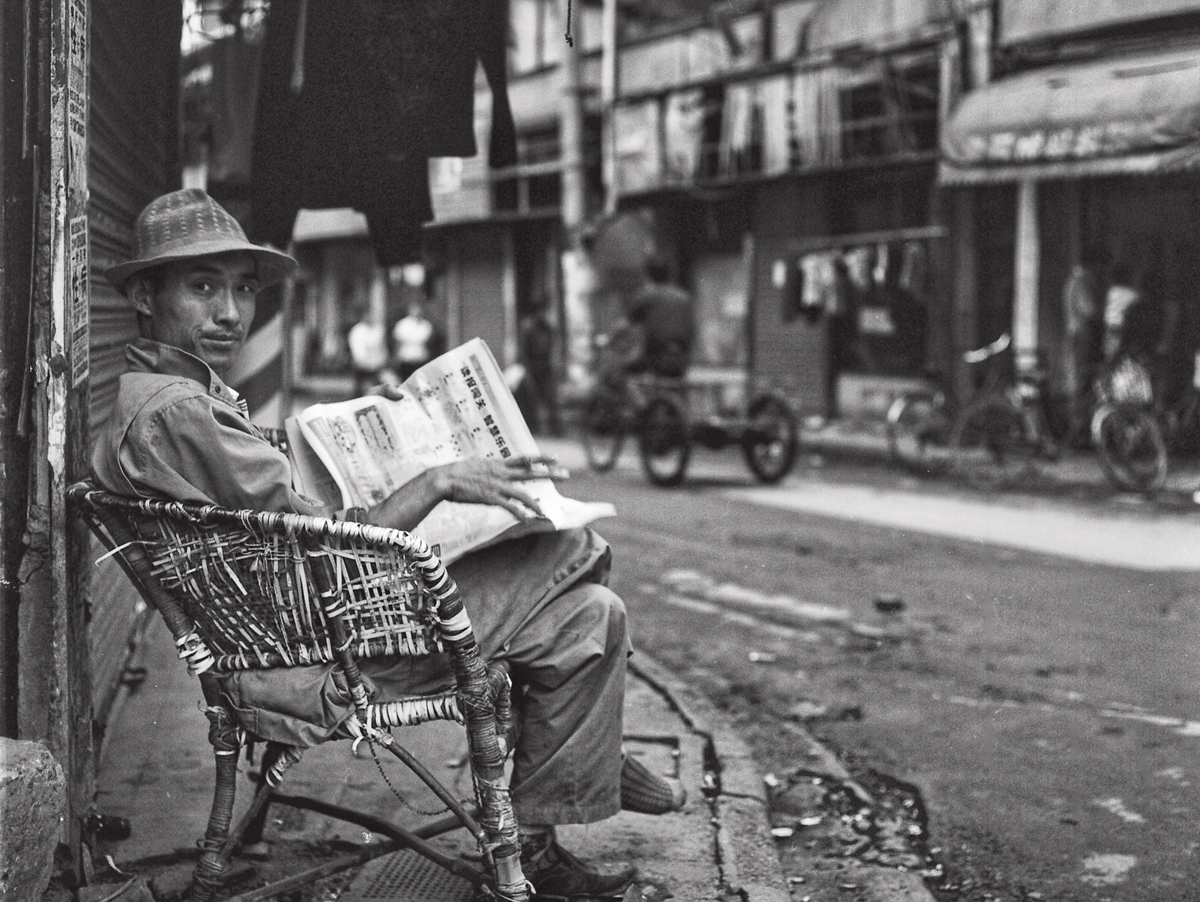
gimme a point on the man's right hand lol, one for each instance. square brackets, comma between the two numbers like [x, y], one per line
[490, 481]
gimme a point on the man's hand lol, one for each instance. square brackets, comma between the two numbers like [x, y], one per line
[393, 391]
[489, 481]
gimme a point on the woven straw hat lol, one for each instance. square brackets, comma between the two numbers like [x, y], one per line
[188, 223]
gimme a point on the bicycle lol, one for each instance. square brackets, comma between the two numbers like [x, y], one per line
[993, 441]
[623, 404]
[1135, 433]
[637, 406]
[920, 424]
[667, 421]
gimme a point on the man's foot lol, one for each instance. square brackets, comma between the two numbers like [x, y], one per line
[647, 792]
[556, 873]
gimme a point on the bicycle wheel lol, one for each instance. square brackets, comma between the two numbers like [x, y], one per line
[605, 422]
[1132, 451]
[991, 447]
[918, 432]
[771, 438]
[1185, 438]
[664, 441]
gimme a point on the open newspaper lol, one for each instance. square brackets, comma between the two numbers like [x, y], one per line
[355, 453]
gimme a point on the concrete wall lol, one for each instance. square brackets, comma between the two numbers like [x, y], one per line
[33, 799]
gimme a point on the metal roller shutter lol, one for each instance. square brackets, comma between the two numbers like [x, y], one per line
[132, 158]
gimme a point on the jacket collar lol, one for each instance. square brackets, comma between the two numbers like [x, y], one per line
[149, 356]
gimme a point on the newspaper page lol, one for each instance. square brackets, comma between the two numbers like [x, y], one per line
[456, 406]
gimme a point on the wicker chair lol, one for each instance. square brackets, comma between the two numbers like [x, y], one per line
[248, 589]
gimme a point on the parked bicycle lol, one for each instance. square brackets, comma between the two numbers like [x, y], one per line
[1135, 433]
[994, 440]
[669, 416]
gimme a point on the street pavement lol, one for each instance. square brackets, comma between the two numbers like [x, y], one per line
[1069, 512]
[156, 763]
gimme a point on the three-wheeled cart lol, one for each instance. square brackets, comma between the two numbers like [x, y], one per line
[669, 417]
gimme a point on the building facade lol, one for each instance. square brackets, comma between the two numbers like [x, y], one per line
[1081, 145]
[787, 157]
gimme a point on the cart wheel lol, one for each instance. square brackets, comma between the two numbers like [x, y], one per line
[991, 445]
[770, 441]
[1132, 451]
[665, 441]
[605, 421]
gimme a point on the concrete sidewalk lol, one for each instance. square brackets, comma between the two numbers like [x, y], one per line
[1069, 511]
[156, 771]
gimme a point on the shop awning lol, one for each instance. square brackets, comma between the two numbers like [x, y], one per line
[1133, 115]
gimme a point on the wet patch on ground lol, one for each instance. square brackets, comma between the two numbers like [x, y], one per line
[873, 818]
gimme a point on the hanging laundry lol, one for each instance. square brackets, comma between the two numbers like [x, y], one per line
[860, 262]
[357, 95]
[914, 267]
[740, 127]
[776, 103]
[683, 131]
[236, 62]
[638, 145]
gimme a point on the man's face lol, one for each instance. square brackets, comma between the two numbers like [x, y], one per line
[203, 306]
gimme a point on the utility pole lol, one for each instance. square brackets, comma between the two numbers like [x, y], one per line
[578, 276]
[608, 96]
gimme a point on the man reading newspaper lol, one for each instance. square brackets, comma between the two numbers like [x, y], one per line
[539, 602]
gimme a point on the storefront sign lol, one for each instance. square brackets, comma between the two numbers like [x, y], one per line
[1077, 142]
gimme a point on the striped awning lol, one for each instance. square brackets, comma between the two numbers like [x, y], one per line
[1127, 116]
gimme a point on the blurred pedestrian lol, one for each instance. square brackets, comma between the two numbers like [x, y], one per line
[368, 353]
[667, 318]
[1083, 299]
[415, 341]
[1121, 295]
[541, 380]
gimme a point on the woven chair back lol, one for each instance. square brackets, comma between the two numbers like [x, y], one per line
[249, 583]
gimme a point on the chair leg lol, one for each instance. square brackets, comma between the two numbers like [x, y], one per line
[256, 826]
[504, 857]
[253, 833]
[278, 759]
[219, 840]
[226, 739]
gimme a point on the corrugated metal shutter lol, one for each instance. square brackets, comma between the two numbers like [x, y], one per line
[133, 157]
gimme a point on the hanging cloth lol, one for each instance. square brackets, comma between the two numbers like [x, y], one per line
[355, 97]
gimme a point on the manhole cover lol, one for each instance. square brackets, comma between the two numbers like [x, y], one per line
[409, 876]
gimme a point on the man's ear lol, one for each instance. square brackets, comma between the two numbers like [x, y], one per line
[140, 294]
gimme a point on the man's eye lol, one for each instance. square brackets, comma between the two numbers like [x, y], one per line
[250, 289]
[202, 285]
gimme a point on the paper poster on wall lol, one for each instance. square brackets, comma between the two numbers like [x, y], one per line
[77, 93]
[78, 325]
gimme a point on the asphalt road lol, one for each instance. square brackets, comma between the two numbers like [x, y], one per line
[1043, 707]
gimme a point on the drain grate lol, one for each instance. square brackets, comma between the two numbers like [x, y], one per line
[408, 876]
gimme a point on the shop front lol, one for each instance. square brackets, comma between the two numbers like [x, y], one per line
[1098, 161]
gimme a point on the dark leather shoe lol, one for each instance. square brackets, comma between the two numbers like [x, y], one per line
[557, 874]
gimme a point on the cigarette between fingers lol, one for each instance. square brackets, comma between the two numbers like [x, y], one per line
[544, 471]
